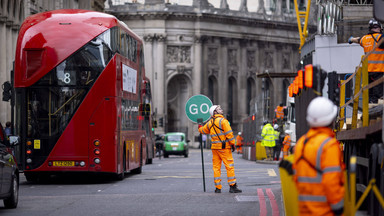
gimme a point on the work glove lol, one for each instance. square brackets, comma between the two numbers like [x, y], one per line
[350, 40]
[287, 166]
[233, 148]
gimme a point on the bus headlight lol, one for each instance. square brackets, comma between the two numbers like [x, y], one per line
[82, 163]
[29, 160]
[97, 160]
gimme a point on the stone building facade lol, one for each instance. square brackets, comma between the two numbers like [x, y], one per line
[242, 60]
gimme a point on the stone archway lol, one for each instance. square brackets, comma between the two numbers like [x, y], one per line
[178, 92]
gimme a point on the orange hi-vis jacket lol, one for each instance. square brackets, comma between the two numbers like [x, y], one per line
[376, 59]
[318, 173]
[239, 143]
[287, 144]
[220, 130]
[279, 112]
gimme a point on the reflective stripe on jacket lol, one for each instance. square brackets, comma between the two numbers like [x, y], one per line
[318, 173]
[279, 112]
[220, 130]
[268, 134]
[376, 59]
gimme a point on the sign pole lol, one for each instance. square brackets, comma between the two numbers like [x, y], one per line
[197, 110]
[200, 121]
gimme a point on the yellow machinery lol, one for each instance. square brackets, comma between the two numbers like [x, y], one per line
[303, 31]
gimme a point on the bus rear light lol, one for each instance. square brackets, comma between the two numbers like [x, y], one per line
[97, 151]
[97, 160]
[29, 160]
[82, 163]
[96, 143]
[29, 143]
[29, 151]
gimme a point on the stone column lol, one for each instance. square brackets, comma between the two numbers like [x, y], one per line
[197, 67]
[223, 75]
[242, 82]
[160, 83]
[3, 67]
[148, 56]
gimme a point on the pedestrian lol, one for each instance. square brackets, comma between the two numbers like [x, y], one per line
[222, 142]
[317, 165]
[375, 59]
[268, 141]
[277, 148]
[239, 143]
[286, 143]
[279, 113]
[204, 138]
[7, 129]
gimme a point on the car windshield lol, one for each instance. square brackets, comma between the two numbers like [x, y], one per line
[175, 138]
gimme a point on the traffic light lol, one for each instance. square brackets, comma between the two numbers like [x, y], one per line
[154, 124]
[314, 77]
[333, 88]
[147, 111]
[300, 78]
[290, 90]
[308, 76]
[161, 122]
[7, 91]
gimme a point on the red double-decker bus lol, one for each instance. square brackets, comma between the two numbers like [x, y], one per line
[82, 98]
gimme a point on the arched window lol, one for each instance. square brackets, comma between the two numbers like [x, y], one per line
[285, 91]
[212, 85]
[232, 102]
[250, 94]
[267, 88]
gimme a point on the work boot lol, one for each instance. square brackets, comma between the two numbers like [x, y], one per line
[234, 189]
[218, 190]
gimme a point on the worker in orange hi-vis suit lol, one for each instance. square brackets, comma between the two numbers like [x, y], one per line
[317, 164]
[239, 143]
[222, 141]
[286, 143]
[279, 112]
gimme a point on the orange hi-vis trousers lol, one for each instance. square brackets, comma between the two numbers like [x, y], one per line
[225, 156]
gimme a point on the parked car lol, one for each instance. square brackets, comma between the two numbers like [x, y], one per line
[9, 173]
[175, 144]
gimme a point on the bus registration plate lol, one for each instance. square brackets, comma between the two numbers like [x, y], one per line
[63, 163]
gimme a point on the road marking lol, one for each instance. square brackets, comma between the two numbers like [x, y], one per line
[246, 198]
[271, 172]
[272, 201]
[262, 203]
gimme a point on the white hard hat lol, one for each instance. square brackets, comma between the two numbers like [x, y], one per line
[275, 126]
[288, 132]
[212, 109]
[321, 112]
[239, 133]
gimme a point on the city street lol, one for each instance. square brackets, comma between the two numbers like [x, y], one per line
[170, 186]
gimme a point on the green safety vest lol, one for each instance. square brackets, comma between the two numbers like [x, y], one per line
[268, 134]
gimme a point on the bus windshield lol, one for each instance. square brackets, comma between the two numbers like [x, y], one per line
[53, 100]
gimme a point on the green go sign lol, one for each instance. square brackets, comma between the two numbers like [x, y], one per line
[197, 107]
